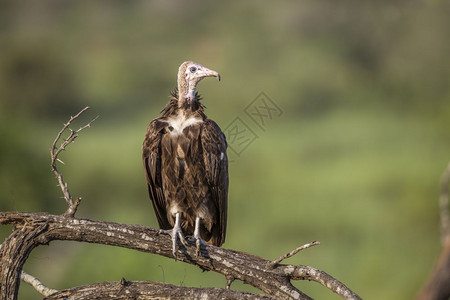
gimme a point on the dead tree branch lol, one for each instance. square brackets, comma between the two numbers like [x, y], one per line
[37, 284]
[41, 228]
[14, 252]
[438, 285]
[292, 253]
[149, 290]
[443, 205]
[55, 150]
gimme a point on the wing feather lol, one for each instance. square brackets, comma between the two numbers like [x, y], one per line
[215, 159]
[151, 156]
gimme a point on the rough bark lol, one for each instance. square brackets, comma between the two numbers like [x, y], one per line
[149, 290]
[438, 284]
[41, 228]
[14, 252]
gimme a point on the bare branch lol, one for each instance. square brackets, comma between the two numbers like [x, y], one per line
[14, 252]
[232, 264]
[310, 273]
[443, 205]
[437, 286]
[37, 284]
[149, 290]
[292, 253]
[54, 153]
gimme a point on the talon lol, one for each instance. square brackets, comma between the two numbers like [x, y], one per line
[198, 246]
[182, 239]
[198, 240]
[177, 233]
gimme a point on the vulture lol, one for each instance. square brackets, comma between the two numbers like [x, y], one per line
[186, 165]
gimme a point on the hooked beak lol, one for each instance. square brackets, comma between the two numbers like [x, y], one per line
[205, 72]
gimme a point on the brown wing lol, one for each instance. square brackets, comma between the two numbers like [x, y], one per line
[151, 156]
[215, 159]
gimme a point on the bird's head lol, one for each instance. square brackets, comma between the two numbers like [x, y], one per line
[189, 75]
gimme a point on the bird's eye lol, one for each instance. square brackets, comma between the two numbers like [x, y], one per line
[193, 69]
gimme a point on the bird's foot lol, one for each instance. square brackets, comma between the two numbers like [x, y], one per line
[198, 240]
[177, 234]
[198, 245]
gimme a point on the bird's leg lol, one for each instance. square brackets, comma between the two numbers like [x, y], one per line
[198, 240]
[177, 233]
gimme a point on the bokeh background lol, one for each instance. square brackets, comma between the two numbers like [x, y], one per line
[353, 161]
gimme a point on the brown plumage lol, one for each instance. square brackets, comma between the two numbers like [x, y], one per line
[186, 165]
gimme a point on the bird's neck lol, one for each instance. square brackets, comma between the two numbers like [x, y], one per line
[190, 94]
[187, 107]
[186, 90]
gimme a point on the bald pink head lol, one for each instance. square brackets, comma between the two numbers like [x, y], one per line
[189, 75]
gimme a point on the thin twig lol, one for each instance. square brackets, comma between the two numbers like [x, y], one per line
[56, 150]
[292, 253]
[37, 284]
[443, 205]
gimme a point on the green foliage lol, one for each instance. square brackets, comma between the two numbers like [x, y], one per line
[353, 162]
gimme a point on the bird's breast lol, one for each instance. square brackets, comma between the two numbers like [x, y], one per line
[177, 124]
[181, 150]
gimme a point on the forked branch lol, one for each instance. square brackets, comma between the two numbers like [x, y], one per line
[253, 270]
[55, 151]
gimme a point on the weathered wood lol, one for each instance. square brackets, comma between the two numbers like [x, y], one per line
[149, 290]
[258, 272]
[36, 284]
[14, 252]
[438, 285]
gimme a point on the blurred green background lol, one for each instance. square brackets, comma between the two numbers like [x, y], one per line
[354, 161]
